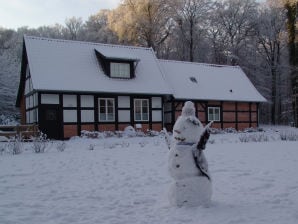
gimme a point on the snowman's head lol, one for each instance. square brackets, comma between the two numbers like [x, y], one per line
[188, 127]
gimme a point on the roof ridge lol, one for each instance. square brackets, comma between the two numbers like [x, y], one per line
[86, 42]
[200, 63]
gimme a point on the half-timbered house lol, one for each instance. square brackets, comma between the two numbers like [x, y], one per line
[69, 86]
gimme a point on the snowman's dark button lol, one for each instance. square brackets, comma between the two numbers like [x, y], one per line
[178, 166]
[176, 155]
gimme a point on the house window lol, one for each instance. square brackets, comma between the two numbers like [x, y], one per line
[213, 113]
[141, 109]
[106, 109]
[120, 70]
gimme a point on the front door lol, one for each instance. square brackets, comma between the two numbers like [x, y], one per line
[51, 121]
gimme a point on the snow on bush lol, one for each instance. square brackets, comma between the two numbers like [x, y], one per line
[257, 137]
[114, 144]
[91, 134]
[14, 145]
[40, 143]
[289, 136]
[129, 131]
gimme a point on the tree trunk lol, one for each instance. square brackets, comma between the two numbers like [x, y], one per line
[191, 50]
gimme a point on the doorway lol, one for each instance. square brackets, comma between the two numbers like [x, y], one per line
[50, 120]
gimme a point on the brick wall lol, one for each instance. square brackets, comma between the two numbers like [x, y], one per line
[70, 131]
[246, 114]
[157, 127]
[121, 127]
[106, 127]
[87, 127]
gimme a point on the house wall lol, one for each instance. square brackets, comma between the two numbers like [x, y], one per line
[81, 112]
[237, 115]
[29, 102]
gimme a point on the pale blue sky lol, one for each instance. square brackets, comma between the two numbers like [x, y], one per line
[35, 13]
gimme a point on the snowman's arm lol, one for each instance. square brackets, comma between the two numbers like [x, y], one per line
[204, 137]
[167, 137]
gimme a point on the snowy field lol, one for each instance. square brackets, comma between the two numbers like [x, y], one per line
[125, 181]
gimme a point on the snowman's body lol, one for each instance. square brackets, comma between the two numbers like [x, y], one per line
[191, 187]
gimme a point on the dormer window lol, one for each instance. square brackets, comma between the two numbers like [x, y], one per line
[120, 70]
[114, 67]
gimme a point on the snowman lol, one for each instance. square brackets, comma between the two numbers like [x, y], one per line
[188, 166]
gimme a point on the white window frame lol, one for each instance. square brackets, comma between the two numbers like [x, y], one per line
[142, 113]
[120, 70]
[106, 110]
[212, 113]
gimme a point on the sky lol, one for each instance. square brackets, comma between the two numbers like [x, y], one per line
[35, 13]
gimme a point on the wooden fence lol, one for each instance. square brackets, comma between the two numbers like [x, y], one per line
[22, 131]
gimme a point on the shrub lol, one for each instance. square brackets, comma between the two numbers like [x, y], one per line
[152, 133]
[288, 136]
[91, 134]
[258, 137]
[40, 143]
[15, 145]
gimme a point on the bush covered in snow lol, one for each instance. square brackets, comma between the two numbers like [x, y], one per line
[129, 131]
[40, 143]
[289, 136]
[14, 146]
[8, 120]
[256, 137]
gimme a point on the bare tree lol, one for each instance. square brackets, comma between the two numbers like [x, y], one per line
[234, 23]
[292, 28]
[191, 20]
[74, 27]
[97, 29]
[5, 37]
[272, 45]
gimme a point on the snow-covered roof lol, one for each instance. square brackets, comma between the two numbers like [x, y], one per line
[64, 65]
[199, 81]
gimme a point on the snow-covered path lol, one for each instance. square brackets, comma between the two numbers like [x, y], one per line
[252, 183]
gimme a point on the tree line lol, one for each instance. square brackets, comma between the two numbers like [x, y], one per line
[259, 37]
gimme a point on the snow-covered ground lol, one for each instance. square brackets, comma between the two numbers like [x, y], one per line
[125, 181]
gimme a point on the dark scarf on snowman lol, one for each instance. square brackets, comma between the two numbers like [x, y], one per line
[199, 158]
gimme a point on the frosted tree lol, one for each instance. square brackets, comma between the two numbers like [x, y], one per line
[146, 23]
[191, 18]
[74, 27]
[5, 39]
[292, 27]
[56, 31]
[97, 30]
[232, 26]
[272, 48]
[9, 70]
